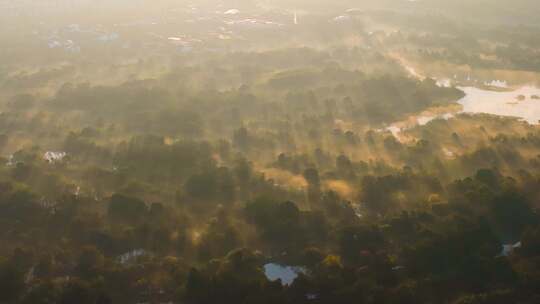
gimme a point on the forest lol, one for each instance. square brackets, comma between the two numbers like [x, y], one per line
[269, 151]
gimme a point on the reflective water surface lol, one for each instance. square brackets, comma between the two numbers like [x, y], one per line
[523, 102]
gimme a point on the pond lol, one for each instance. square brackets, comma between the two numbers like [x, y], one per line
[287, 274]
[523, 103]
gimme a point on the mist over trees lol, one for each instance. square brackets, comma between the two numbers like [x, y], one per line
[269, 152]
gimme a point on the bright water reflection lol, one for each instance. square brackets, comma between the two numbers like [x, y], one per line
[523, 102]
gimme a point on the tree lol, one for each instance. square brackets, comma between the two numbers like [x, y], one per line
[90, 263]
[314, 185]
[11, 282]
[77, 291]
[531, 242]
[3, 141]
[358, 243]
[202, 186]
[126, 209]
[241, 139]
[219, 238]
[45, 292]
[279, 224]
